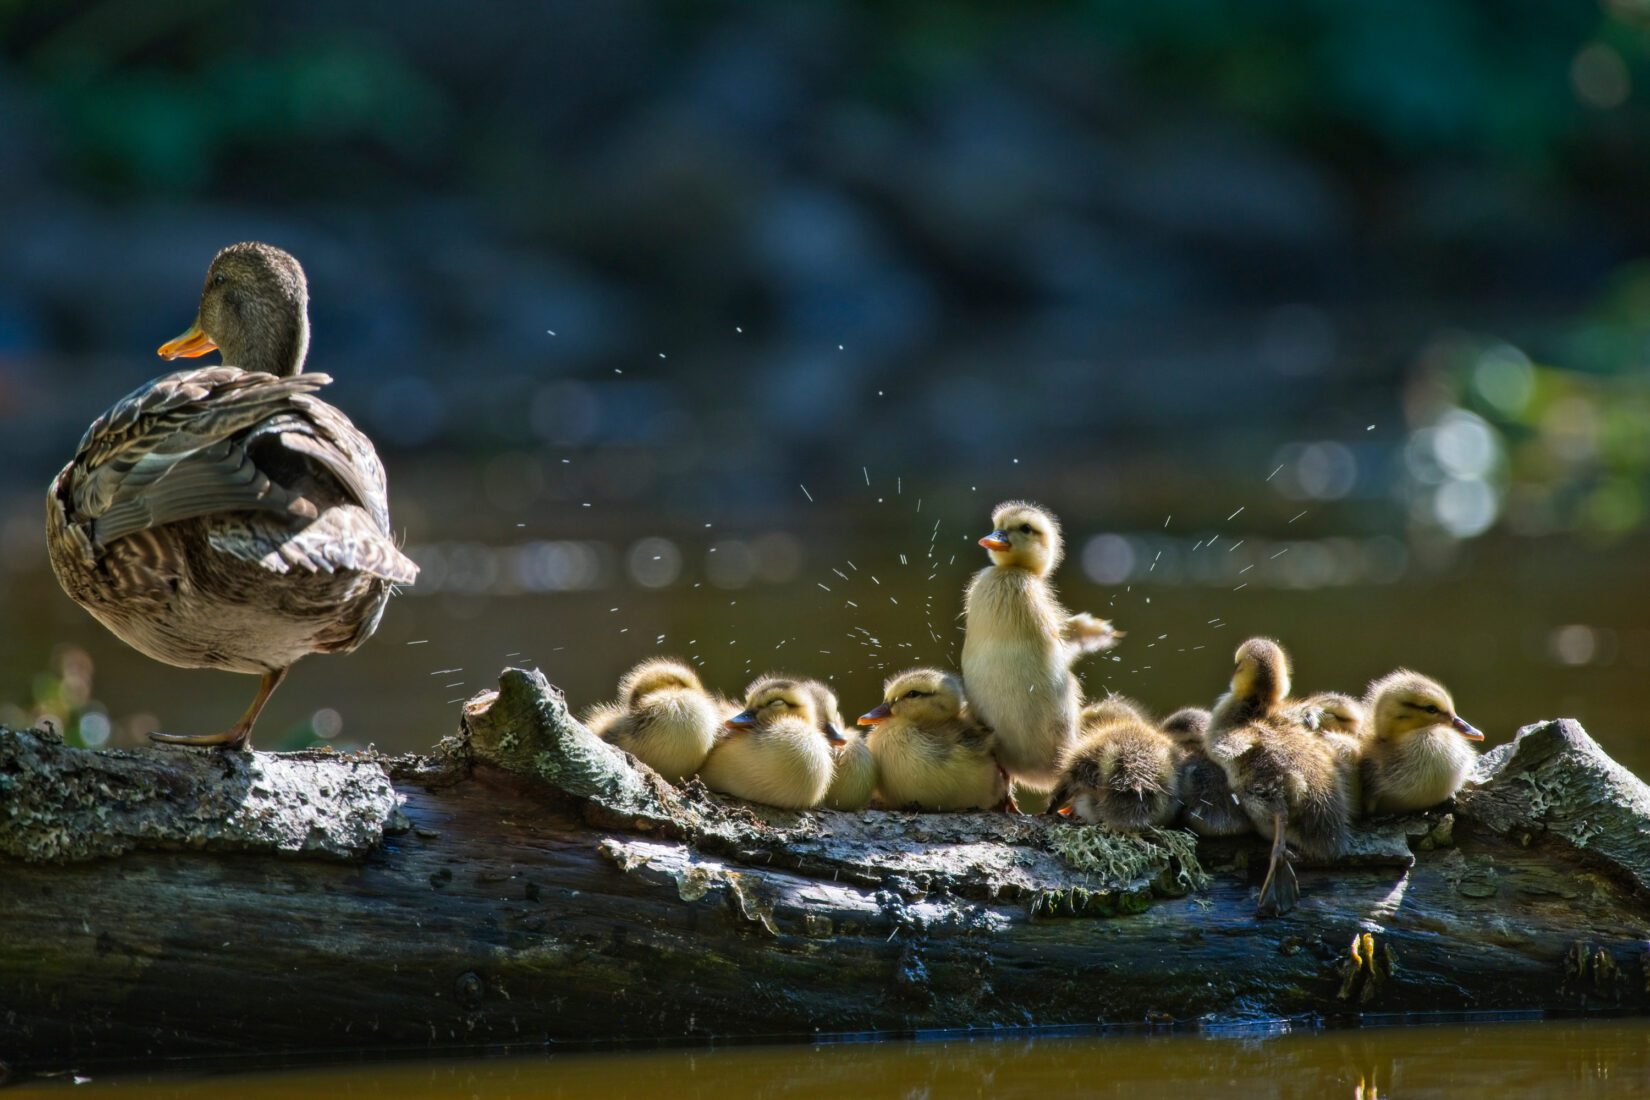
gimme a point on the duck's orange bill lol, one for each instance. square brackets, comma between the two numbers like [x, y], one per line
[880, 714]
[997, 540]
[1064, 811]
[744, 720]
[1467, 729]
[192, 343]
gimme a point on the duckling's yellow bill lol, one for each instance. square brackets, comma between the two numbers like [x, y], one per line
[193, 342]
[1467, 729]
[997, 540]
[881, 713]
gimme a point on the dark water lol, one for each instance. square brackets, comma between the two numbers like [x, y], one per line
[1508, 1061]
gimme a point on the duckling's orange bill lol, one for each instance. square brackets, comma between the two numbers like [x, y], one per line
[192, 343]
[1467, 729]
[997, 540]
[878, 714]
[744, 720]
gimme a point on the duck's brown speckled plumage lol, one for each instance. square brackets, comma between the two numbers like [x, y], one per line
[228, 518]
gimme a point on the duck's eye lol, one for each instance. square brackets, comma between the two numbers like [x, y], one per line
[915, 694]
[1025, 528]
[1430, 709]
[219, 279]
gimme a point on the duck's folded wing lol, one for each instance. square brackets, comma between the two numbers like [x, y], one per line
[343, 537]
[172, 451]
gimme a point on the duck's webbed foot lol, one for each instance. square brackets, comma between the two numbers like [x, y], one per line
[1363, 970]
[238, 736]
[1280, 889]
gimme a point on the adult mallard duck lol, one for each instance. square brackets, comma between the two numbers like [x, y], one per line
[225, 517]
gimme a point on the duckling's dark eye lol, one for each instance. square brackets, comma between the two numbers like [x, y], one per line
[219, 279]
[1430, 709]
[915, 694]
[1025, 528]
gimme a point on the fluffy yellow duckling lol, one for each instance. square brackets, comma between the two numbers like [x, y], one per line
[1207, 805]
[1121, 772]
[663, 716]
[1416, 753]
[1019, 644]
[854, 772]
[1286, 778]
[930, 753]
[774, 751]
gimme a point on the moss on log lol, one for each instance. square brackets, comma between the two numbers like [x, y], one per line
[527, 883]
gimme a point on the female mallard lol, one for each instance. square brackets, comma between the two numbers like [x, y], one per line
[225, 517]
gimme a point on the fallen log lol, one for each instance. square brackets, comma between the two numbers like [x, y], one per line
[528, 884]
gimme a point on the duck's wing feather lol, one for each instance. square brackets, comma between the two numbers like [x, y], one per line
[291, 482]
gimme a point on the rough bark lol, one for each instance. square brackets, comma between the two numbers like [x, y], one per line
[535, 885]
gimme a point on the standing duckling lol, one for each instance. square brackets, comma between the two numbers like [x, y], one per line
[663, 716]
[1020, 643]
[226, 517]
[930, 754]
[775, 750]
[1286, 778]
[1417, 753]
[1121, 773]
[853, 771]
[1207, 805]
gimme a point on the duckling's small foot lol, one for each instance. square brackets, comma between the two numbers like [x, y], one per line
[1279, 890]
[1363, 970]
[1008, 805]
[233, 738]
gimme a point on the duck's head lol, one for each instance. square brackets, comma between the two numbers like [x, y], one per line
[254, 309]
[921, 696]
[1186, 725]
[1261, 671]
[771, 699]
[1405, 702]
[1024, 536]
[658, 674]
[829, 712]
[1332, 712]
[1113, 708]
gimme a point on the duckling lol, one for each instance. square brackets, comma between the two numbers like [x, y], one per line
[1207, 805]
[1339, 720]
[853, 771]
[1286, 778]
[226, 517]
[663, 716]
[1416, 754]
[930, 753]
[1019, 645]
[774, 751]
[1121, 772]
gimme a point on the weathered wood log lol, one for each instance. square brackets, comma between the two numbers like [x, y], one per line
[527, 883]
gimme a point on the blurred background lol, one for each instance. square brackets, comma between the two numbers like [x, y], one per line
[718, 329]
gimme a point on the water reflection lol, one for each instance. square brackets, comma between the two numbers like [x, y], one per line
[1511, 1061]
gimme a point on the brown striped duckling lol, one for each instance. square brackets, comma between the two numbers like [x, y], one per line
[1207, 805]
[1019, 644]
[1340, 721]
[1286, 778]
[1418, 752]
[663, 717]
[931, 755]
[774, 751]
[226, 517]
[1121, 772]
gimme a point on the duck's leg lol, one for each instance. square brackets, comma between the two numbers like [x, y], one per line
[238, 736]
[1279, 891]
[1007, 805]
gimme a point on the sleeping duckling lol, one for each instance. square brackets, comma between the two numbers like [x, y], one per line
[854, 772]
[1286, 778]
[1416, 754]
[1207, 805]
[1121, 773]
[1019, 645]
[774, 751]
[930, 753]
[1339, 720]
[663, 716]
